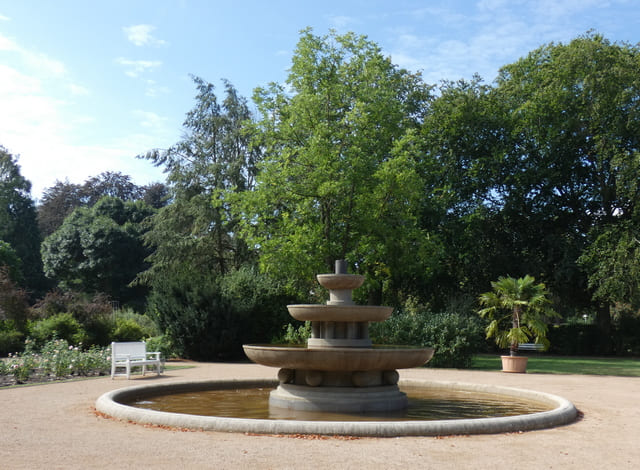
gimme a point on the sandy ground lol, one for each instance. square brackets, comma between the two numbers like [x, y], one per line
[54, 426]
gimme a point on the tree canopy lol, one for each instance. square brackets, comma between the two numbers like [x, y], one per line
[335, 181]
[18, 224]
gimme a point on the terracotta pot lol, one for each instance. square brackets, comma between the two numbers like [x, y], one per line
[517, 364]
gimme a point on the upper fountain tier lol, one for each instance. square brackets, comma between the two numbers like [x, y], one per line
[339, 323]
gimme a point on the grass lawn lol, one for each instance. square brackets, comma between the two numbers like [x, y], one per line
[624, 367]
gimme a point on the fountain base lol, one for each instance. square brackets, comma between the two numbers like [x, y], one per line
[338, 399]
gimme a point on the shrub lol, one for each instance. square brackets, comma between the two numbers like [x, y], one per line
[146, 323]
[162, 344]
[208, 316]
[627, 334]
[60, 326]
[454, 337]
[294, 334]
[11, 340]
[127, 329]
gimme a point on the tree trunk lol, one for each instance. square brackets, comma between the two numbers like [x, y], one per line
[603, 321]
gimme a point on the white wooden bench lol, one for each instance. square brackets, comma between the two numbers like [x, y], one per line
[132, 354]
[531, 347]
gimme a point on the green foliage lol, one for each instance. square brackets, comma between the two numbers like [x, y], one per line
[56, 359]
[162, 344]
[127, 329]
[294, 334]
[94, 312]
[454, 337]
[100, 249]
[10, 261]
[209, 317]
[146, 323]
[518, 311]
[61, 326]
[18, 224]
[612, 262]
[11, 340]
[335, 182]
[204, 170]
[13, 301]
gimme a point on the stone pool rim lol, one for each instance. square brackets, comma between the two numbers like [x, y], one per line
[563, 413]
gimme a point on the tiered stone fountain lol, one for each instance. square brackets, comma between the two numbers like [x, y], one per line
[339, 370]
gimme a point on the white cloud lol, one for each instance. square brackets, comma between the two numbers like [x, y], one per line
[7, 44]
[37, 62]
[78, 90]
[44, 132]
[149, 119]
[153, 89]
[140, 35]
[135, 68]
[4, 18]
[342, 22]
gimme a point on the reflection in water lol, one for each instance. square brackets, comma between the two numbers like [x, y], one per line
[424, 405]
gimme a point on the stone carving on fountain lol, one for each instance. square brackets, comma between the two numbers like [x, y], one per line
[339, 370]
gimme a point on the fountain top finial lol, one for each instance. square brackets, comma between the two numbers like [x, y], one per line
[341, 266]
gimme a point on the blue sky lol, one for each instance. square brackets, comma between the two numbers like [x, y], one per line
[87, 85]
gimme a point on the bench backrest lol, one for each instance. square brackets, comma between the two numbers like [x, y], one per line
[133, 349]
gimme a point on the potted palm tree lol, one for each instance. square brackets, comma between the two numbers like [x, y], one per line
[518, 311]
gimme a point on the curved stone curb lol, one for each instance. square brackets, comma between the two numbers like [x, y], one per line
[563, 413]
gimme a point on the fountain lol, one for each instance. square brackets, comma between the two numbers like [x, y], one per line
[339, 370]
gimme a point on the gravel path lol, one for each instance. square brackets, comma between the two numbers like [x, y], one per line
[55, 426]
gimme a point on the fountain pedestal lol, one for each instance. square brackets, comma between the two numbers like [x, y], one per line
[339, 370]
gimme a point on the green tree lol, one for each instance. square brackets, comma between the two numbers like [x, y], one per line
[100, 249]
[10, 261]
[57, 203]
[337, 181]
[62, 198]
[211, 162]
[18, 220]
[574, 145]
[518, 310]
[612, 262]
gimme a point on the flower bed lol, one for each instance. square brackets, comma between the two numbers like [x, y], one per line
[57, 360]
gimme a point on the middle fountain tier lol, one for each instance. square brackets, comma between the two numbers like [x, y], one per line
[339, 370]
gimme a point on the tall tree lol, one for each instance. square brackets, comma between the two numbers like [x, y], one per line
[212, 161]
[57, 203]
[18, 222]
[336, 182]
[574, 145]
[110, 183]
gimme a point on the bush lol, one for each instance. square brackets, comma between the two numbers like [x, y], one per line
[208, 316]
[454, 337]
[293, 334]
[163, 345]
[626, 338]
[61, 326]
[146, 323]
[11, 340]
[127, 329]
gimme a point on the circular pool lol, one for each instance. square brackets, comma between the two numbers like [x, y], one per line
[533, 410]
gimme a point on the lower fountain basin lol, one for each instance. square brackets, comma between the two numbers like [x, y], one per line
[560, 412]
[338, 359]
